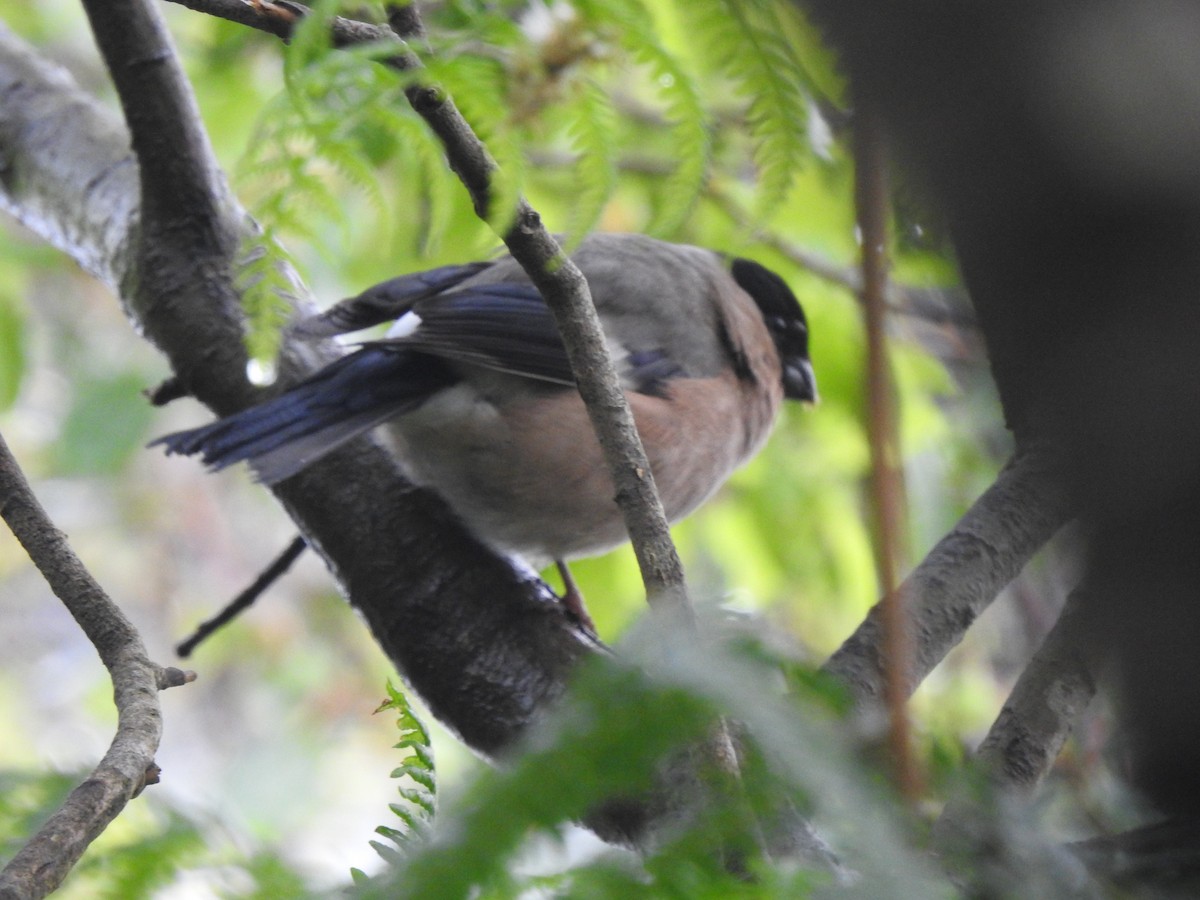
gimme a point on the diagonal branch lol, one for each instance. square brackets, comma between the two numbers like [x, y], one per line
[567, 294]
[1021, 746]
[963, 573]
[128, 765]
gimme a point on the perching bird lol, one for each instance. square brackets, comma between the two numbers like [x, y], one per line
[475, 385]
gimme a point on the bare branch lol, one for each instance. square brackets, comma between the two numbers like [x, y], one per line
[67, 172]
[245, 599]
[964, 572]
[1054, 688]
[128, 765]
[280, 20]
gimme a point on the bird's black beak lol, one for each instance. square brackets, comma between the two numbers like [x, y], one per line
[799, 382]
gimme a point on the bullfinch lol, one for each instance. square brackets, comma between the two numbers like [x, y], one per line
[473, 382]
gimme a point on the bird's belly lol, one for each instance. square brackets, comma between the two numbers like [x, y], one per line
[529, 477]
[523, 487]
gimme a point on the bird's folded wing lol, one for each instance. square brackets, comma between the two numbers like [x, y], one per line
[504, 326]
[507, 327]
[386, 301]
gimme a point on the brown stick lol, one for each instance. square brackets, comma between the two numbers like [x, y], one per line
[871, 207]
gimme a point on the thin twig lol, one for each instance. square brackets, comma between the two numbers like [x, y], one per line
[887, 488]
[245, 599]
[128, 766]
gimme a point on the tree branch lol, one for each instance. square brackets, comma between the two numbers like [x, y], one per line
[963, 573]
[1054, 688]
[128, 766]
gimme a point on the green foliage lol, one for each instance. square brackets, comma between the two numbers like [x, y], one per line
[592, 133]
[136, 868]
[749, 42]
[628, 715]
[265, 288]
[419, 792]
[631, 24]
[105, 426]
[608, 83]
[12, 350]
[25, 801]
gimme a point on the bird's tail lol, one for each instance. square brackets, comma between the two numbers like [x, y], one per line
[287, 433]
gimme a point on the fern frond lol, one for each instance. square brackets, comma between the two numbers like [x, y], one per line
[593, 137]
[266, 291]
[746, 39]
[419, 793]
[432, 177]
[477, 85]
[682, 101]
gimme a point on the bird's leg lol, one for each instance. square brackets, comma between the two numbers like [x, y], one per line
[572, 597]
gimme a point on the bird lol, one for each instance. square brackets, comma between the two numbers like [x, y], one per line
[474, 385]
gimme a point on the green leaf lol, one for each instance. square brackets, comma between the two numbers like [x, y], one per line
[417, 811]
[747, 39]
[593, 138]
[106, 425]
[265, 286]
[477, 85]
[682, 101]
[12, 350]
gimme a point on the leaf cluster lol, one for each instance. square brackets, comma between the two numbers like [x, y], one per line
[418, 792]
[595, 98]
[634, 720]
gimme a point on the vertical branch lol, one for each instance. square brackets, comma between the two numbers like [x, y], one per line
[887, 489]
[567, 294]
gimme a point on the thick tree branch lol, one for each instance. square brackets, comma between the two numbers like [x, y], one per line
[963, 573]
[66, 172]
[127, 767]
[1054, 688]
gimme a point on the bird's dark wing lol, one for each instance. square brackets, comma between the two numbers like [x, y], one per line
[503, 326]
[506, 326]
[386, 301]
